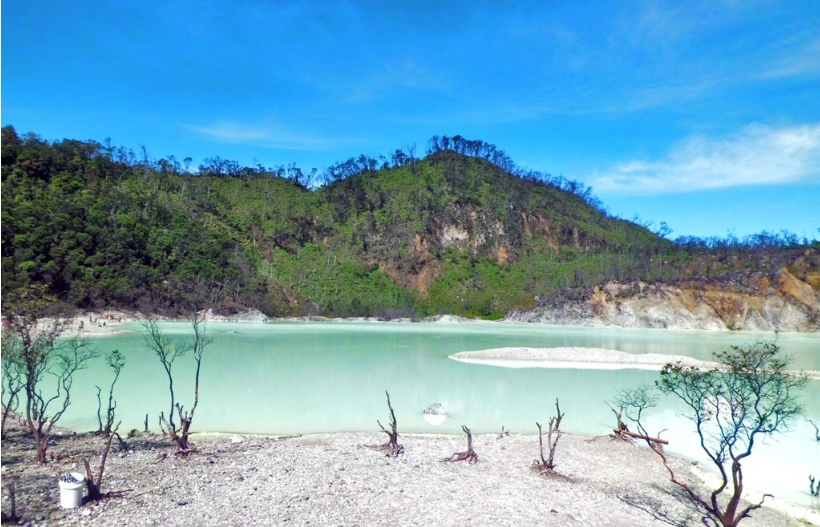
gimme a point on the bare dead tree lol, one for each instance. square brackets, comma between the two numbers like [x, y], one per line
[12, 517]
[45, 364]
[468, 455]
[620, 427]
[40, 415]
[554, 433]
[99, 409]
[95, 486]
[168, 350]
[504, 433]
[12, 379]
[750, 396]
[816, 431]
[812, 490]
[633, 403]
[392, 447]
[115, 361]
[121, 442]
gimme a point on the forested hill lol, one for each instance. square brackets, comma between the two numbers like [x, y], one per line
[460, 231]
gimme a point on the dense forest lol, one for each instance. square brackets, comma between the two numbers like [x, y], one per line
[461, 230]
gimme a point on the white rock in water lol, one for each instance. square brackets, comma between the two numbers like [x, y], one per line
[434, 414]
[237, 438]
[434, 409]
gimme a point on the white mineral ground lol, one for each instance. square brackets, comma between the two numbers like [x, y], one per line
[82, 323]
[582, 358]
[336, 479]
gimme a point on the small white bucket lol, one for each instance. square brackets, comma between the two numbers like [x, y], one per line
[71, 493]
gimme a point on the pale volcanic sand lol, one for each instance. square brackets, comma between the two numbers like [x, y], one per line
[586, 358]
[81, 324]
[579, 358]
[336, 479]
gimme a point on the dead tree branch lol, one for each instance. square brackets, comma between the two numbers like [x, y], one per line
[123, 445]
[115, 361]
[392, 447]
[655, 440]
[620, 427]
[168, 350]
[94, 487]
[554, 433]
[12, 516]
[468, 455]
[504, 433]
[632, 404]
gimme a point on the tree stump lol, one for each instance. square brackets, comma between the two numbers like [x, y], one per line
[12, 516]
[95, 487]
[468, 455]
[621, 431]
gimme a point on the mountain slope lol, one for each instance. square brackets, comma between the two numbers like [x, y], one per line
[450, 233]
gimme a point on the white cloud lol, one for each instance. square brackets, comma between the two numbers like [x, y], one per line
[759, 155]
[264, 135]
[800, 62]
[387, 80]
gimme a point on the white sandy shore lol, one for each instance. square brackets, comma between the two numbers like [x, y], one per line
[585, 358]
[335, 479]
[581, 358]
[102, 326]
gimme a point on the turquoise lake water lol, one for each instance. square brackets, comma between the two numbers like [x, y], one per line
[296, 378]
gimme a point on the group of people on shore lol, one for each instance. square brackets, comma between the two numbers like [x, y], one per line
[105, 317]
[100, 321]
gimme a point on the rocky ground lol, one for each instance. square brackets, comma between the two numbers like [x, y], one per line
[336, 479]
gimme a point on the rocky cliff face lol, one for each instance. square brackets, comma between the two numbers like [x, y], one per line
[470, 228]
[786, 300]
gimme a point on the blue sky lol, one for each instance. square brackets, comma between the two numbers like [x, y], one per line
[705, 115]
